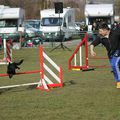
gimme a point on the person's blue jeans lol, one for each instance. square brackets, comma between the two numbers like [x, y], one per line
[115, 64]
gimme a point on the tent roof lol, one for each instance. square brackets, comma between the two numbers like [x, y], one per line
[99, 10]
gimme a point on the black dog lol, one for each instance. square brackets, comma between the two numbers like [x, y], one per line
[11, 68]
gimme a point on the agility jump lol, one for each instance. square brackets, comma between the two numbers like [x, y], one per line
[45, 83]
[79, 60]
[73, 63]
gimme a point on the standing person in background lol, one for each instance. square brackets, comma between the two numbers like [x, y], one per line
[21, 31]
[111, 40]
[1, 43]
[115, 26]
[94, 26]
[94, 30]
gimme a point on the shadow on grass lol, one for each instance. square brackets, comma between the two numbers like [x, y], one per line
[31, 87]
[68, 83]
[4, 90]
[15, 89]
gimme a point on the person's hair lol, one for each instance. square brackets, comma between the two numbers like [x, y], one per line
[104, 26]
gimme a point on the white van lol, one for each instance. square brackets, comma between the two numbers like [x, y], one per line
[10, 19]
[55, 25]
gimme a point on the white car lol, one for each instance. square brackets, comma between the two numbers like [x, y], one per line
[30, 29]
[77, 26]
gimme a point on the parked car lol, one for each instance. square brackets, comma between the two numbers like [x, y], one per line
[33, 23]
[77, 26]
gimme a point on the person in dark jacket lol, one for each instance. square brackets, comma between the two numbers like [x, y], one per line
[1, 43]
[111, 40]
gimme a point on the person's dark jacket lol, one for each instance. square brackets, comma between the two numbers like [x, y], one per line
[111, 44]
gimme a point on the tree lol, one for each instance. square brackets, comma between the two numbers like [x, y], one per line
[117, 7]
[33, 7]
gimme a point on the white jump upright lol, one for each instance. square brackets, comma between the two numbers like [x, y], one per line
[7, 53]
[45, 82]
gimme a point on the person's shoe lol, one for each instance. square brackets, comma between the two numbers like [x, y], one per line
[118, 85]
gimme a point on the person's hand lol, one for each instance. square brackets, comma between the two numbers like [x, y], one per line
[93, 54]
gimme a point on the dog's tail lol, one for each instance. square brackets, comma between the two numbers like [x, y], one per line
[19, 63]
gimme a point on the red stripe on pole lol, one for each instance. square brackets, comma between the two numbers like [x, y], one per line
[102, 66]
[8, 59]
[86, 49]
[79, 67]
[19, 73]
[60, 76]
[8, 47]
[41, 62]
[41, 67]
[99, 58]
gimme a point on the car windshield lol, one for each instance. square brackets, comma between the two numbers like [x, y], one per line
[34, 24]
[28, 26]
[8, 23]
[51, 21]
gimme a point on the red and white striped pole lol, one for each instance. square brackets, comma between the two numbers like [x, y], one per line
[7, 51]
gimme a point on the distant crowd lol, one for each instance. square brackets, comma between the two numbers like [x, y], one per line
[114, 26]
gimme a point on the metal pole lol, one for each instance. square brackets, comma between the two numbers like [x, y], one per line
[5, 51]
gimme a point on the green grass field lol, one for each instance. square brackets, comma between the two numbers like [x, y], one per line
[92, 96]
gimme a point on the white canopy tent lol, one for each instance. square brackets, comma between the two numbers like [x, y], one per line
[99, 10]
